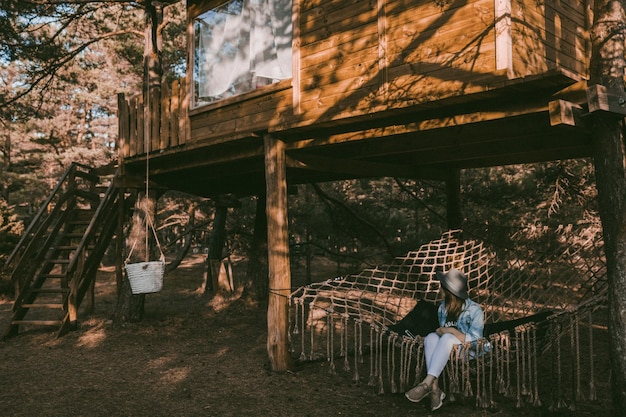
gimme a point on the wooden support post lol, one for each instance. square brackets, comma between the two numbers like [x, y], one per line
[453, 195]
[278, 254]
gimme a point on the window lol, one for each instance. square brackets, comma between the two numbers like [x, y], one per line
[239, 46]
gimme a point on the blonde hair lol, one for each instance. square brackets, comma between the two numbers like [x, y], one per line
[454, 305]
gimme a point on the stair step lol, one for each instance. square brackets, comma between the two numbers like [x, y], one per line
[38, 322]
[88, 176]
[66, 247]
[71, 247]
[58, 306]
[51, 290]
[79, 222]
[83, 214]
[88, 195]
[54, 276]
[59, 261]
[72, 235]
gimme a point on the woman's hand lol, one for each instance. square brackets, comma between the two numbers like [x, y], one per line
[452, 330]
[441, 330]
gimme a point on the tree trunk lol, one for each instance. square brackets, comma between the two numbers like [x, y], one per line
[607, 68]
[216, 252]
[277, 254]
[182, 253]
[152, 71]
[6, 165]
[131, 307]
[256, 284]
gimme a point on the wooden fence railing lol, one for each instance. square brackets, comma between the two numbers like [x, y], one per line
[167, 128]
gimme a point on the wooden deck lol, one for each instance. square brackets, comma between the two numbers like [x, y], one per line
[507, 125]
[403, 88]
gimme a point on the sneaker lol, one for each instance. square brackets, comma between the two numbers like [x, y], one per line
[436, 399]
[417, 393]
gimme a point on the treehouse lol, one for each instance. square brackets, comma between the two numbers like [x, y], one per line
[284, 92]
[406, 88]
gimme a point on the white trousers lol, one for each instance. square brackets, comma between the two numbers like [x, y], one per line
[437, 351]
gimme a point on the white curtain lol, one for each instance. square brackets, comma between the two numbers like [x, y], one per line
[221, 46]
[270, 40]
[239, 40]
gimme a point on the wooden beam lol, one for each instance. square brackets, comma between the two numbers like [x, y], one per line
[278, 254]
[565, 113]
[600, 98]
[354, 168]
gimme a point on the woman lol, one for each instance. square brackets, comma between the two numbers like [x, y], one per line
[461, 320]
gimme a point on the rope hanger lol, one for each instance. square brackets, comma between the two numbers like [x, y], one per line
[146, 277]
[148, 223]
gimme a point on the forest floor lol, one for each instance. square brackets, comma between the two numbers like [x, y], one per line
[196, 355]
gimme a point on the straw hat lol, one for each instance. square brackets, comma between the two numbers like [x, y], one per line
[454, 281]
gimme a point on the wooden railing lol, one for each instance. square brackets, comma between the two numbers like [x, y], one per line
[166, 126]
[31, 242]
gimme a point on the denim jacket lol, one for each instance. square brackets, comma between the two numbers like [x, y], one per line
[471, 321]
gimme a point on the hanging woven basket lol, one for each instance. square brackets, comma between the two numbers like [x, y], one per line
[146, 277]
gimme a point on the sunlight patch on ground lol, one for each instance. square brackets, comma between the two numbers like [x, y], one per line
[222, 352]
[162, 362]
[194, 259]
[92, 338]
[174, 376]
[222, 301]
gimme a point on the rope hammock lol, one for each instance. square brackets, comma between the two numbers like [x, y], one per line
[346, 321]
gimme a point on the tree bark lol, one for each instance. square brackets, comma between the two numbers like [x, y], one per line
[278, 255]
[256, 284]
[191, 212]
[6, 164]
[152, 74]
[216, 251]
[607, 68]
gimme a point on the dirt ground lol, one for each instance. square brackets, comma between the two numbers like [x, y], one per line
[191, 356]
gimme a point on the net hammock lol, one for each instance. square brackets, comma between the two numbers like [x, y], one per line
[346, 320]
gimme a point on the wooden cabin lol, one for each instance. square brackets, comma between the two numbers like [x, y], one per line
[282, 92]
[411, 88]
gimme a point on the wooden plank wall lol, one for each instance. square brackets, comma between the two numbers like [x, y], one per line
[359, 57]
[549, 34]
[339, 56]
[240, 116]
[171, 130]
[439, 48]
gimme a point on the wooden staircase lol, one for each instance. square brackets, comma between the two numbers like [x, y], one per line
[55, 263]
